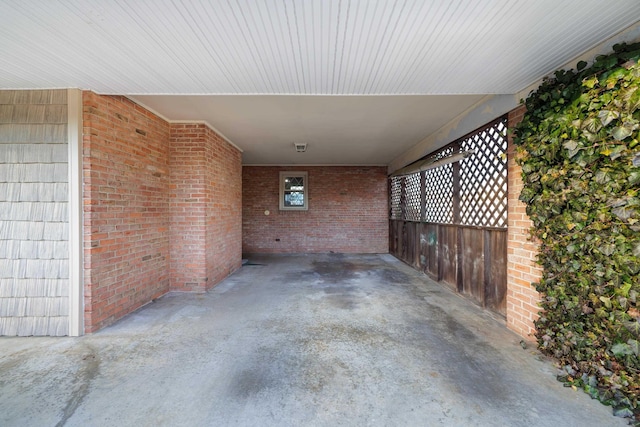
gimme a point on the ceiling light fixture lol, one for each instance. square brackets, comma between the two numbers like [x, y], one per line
[300, 147]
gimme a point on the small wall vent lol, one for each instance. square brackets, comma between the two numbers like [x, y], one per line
[300, 148]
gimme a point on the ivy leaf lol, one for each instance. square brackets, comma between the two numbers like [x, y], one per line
[606, 301]
[621, 132]
[623, 212]
[617, 151]
[572, 147]
[590, 83]
[624, 289]
[602, 177]
[591, 125]
[632, 326]
[621, 349]
[614, 203]
[622, 412]
[607, 250]
[580, 66]
[607, 116]
[635, 346]
[634, 101]
[616, 75]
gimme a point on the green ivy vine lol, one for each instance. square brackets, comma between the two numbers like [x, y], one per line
[578, 146]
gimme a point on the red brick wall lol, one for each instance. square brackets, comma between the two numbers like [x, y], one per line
[188, 207]
[126, 209]
[224, 208]
[348, 211]
[522, 270]
[162, 207]
[206, 207]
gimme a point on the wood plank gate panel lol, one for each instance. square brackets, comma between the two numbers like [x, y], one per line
[472, 257]
[495, 297]
[429, 249]
[448, 254]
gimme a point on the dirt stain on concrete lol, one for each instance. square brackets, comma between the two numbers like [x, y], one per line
[335, 271]
[252, 381]
[392, 276]
[80, 388]
[343, 297]
[465, 361]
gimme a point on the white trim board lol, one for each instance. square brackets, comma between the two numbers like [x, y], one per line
[76, 262]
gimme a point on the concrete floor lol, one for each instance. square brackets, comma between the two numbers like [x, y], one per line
[317, 340]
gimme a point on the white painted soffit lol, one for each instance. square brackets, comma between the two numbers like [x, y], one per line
[340, 47]
[345, 130]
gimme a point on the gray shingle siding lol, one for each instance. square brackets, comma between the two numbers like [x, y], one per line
[33, 133]
[34, 153]
[12, 97]
[27, 326]
[15, 287]
[34, 229]
[34, 211]
[34, 172]
[33, 192]
[31, 113]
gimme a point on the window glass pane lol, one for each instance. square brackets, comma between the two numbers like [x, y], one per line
[294, 183]
[293, 198]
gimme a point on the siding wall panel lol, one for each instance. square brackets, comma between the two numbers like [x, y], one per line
[34, 263]
[33, 133]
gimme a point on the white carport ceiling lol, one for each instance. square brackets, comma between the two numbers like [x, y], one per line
[339, 129]
[410, 65]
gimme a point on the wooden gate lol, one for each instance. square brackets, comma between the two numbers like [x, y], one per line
[450, 221]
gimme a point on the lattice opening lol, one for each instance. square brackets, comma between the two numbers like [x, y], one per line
[439, 191]
[395, 196]
[412, 198]
[483, 178]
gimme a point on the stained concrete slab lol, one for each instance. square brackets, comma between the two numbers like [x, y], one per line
[314, 340]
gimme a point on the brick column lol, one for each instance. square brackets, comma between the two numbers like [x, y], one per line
[206, 208]
[188, 269]
[522, 270]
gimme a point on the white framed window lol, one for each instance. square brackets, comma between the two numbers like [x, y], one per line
[294, 191]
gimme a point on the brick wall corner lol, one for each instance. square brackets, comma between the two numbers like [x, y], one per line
[522, 269]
